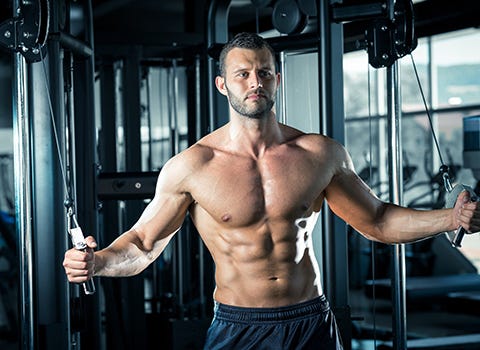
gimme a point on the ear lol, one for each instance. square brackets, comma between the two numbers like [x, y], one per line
[279, 79]
[220, 84]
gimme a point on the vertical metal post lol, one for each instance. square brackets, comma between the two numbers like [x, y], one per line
[334, 231]
[85, 166]
[149, 119]
[396, 191]
[176, 148]
[217, 32]
[23, 199]
[70, 151]
[283, 90]
[198, 134]
[23, 196]
[198, 104]
[133, 311]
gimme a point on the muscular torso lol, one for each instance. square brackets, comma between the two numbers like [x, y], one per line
[256, 217]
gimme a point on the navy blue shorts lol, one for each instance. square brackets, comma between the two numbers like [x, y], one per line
[308, 325]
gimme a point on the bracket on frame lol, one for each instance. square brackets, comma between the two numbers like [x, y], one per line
[27, 32]
[386, 39]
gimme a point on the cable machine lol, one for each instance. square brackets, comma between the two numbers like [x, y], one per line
[53, 312]
[67, 65]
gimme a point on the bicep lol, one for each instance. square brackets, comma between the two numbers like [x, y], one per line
[353, 201]
[164, 215]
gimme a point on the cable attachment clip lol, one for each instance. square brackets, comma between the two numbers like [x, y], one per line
[453, 192]
[78, 241]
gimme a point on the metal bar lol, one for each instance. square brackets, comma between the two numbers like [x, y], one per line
[175, 150]
[399, 321]
[357, 12]
[198, 134]
[70, 151]
[73, 44]
[283, 92]
[217, 33]
[23, 200]
[332, 125]
[334, 231]
[149, 118]
[93, 333]
[396, 191]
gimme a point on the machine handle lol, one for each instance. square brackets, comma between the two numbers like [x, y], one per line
[78, 241]
[457, 239]
[451, 199]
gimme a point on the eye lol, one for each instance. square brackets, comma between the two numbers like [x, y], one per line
[264, 73]
[242, 74]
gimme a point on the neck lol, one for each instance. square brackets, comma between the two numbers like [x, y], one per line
[254, 136]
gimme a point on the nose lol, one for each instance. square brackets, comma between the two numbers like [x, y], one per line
[255, 82]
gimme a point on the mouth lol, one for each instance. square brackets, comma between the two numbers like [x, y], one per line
[255, 96]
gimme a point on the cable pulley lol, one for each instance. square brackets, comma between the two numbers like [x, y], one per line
[388, 40]
[287, 17]
[27, 33]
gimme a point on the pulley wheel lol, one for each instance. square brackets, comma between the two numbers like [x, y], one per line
[36, 22]
[261, 3]
[287, 17]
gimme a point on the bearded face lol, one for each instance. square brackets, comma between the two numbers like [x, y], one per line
[254, 104]
[249, 82]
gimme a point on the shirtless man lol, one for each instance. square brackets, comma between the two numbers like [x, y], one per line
[254, 189]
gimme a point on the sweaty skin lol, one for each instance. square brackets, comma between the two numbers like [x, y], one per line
[254, 189]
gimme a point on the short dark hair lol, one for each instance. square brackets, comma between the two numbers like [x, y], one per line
[243, 40]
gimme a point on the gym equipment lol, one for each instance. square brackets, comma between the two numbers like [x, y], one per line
[27, 32]
[287, 17]
[78, 241]
[451, 199]
[76, 233]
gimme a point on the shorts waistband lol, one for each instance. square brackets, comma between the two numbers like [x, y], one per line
[275, 314]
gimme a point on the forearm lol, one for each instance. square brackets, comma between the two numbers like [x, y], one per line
[403, 225]
[127, 256]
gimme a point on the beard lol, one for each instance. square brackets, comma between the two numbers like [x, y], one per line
[257, 110]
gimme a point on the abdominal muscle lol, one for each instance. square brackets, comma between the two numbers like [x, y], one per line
[267, 266]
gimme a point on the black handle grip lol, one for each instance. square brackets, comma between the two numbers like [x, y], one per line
[89, 287]
[457, 240]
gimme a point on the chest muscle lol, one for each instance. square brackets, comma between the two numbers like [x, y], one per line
[241, 192]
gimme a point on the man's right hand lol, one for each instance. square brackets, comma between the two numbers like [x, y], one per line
[80, 265]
